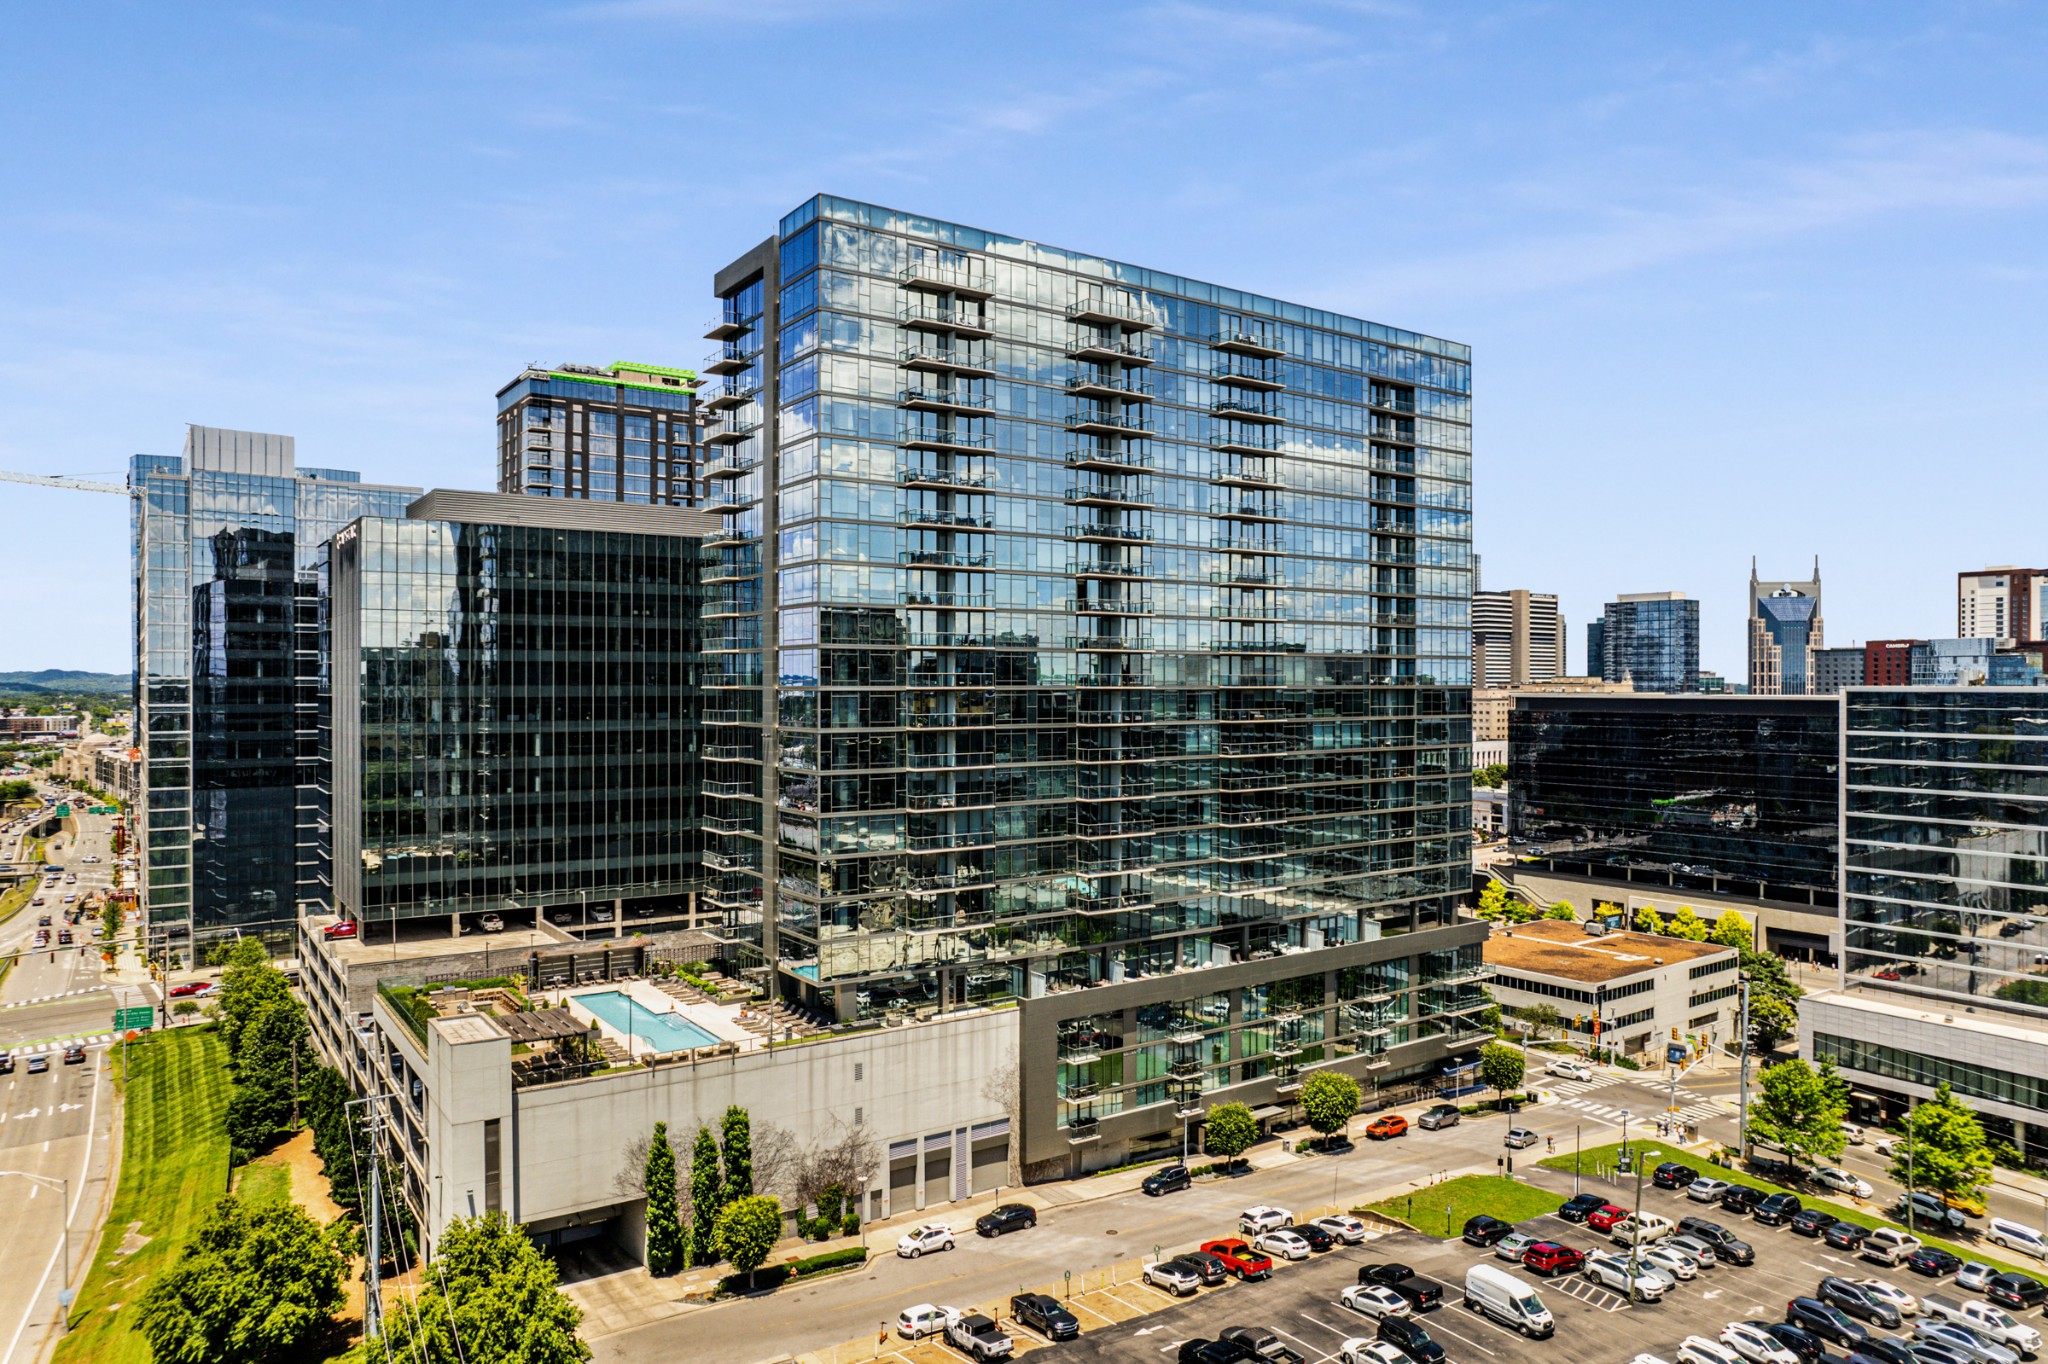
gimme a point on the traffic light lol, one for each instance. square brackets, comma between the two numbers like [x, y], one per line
[1674, 1032]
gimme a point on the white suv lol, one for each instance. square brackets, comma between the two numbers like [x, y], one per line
[1263, 1218]
[918, 1240]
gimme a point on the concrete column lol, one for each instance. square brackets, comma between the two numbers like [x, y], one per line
[619, 918]
[454, 925]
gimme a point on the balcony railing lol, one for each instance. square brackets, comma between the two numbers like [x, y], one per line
[959, 321]
[1105, 309]
[947, 360]
[968, 402]
[1240, 341]
[966, 279]
[1101, 350]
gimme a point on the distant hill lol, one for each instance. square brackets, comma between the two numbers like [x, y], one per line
[64, 682]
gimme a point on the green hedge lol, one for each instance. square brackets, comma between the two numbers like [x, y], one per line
[774, 1276]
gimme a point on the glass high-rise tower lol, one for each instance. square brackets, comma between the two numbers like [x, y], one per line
[226, 541]
[1075, 623]
[626, 432]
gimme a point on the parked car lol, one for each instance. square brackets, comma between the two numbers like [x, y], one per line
[1569, 1069]
[1973, 1275]
[74, 1054]
[1282, 1242]
[1987, 1319]
[1240, 1259]
[1580, 1206]
[1411, 1339]
[1829, 1323]
[1841, 1181]
[1728, 1247]
[1373, 1300]
[191, 987]
[1359, 1350]
[1811, 1222]
[1318, 1239]
[38, 1065]
[1520, 1138]
[1208, 1268]
[1201, 1350]
[1484, 1230]
[1886, 1246]
[1885, 1350]
[1513, 1246]
[1498, 1294]
[1858, 1302]
[345, 929]
[2001, 1231]
[1423, 1295]
[1168, 1179]
[1707, 1189]
[1672, 1175]
[1611, 1271]
[1006, 1218]
[920, 1239]
[1173, 1278]
[1702, 1253]
[2018, 1291]
[1261, 1343]
[1884, 1290]
[1933, 1263]
[925, 1319]
[1044, 1314]
[1438, 1116]
[1344, 1227]
[1962, 1340]
[1639, 1229]
[1741, 1199]
[1756, 1344]
[1809, 1347]
[1845, 1236]
[1700, 1350]
[1676, 1263]
[1927, 1211]
[1385, 1126]
[1260, 1217]
[979, 1338]
[1605, 1217]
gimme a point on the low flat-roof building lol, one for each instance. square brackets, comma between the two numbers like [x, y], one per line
[1624, 990]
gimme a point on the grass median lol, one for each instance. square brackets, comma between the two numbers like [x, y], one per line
[174, 1164]
[1599, 1161]
[1442, 1209]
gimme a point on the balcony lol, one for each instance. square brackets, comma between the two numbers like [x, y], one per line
[940, 558]
[1100, 350]
[1390, 400]
[1246, 410]
[724, 329]
[1082, 1093]
[947, 601]
[926, 516]
[1097, 532]
[733, 434]
[963, 402]
[1112, 644]
[731, 395]
[940, 478]
[1248, 471]
[1103, 310]
[1245, 441]
[1110, 459]
[1109, 568]
[1111, 902]
[1235, 545]
[957, 321]
[1110, 422]
[1127, 388]
[1081, 1131]
[1242, 342]
[941, 438]
[1237, 374]
[1185, 1032]
[965, 278]
[1393, 432]
[1132, 492]
[1136, 604]
[939, 360]
[724, 861]
[729, 360]
[729, 498]
[731, 466]
[1238, 509]
[1251, 611]
[1287, 1081]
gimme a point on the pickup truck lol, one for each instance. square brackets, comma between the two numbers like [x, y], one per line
[1263, 1343]
[979, 1338]
[1986, 1319]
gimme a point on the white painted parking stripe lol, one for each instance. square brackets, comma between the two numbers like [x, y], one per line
[1434, 1325]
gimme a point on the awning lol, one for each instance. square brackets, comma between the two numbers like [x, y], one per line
[1265, 1111]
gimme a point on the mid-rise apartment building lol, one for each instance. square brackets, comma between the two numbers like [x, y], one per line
[1785, 631]
[1837, 669]
[1888, 662]
[623, 432]
[2009, 604]
[1648, 639]
[1518, 637]
[226, 541]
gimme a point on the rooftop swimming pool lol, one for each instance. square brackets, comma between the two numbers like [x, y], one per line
[662, 1032]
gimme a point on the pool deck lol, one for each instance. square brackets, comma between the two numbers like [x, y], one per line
[721, 1022]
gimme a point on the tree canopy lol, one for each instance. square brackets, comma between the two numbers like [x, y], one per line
[1687, 924]
[1648, 920]
[1501, 1066]
[747, 1230]
[261, 1105]
[1229, 1131]
[705, 1186]
[1945, 1152]
[249, 983]
[1328, 1099]
[1493, 900]
[489, 1296]
[256, 1283]
[1799, 1110]
[736, 1150]
[1731, 929]
[666, 1250]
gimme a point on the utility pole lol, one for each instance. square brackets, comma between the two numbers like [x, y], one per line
[373, 1298]
[1742, 1052]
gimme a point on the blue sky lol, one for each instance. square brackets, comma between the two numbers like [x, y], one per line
[1740, 279]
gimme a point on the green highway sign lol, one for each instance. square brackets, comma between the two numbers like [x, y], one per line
[142, 1018]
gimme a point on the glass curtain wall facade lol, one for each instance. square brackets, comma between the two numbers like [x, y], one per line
[1652, 640]
[1725, 795]
[225, 541]
[624, 433]
[1945, 842]
[1073, 622]
[514, 720]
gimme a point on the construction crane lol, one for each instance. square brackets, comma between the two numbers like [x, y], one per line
[83, 485]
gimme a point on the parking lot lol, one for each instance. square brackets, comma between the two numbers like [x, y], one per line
[1594, 1325]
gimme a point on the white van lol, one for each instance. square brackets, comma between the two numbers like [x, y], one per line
[1641, 1229]
[1505, 1298]
[2017, 1236]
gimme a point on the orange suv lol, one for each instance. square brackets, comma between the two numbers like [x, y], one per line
[1390, 1125]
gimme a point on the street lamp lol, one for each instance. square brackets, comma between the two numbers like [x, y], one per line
[63, 1187]
[1635, 1236]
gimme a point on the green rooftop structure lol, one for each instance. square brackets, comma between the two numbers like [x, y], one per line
[623, 432]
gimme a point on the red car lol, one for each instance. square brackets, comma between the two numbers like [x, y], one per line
[1239, 1258]
[1548, 1258]
[345, 929]
[1605, 1216]
[1886, 974]
[1392, 1125]
[191, 987]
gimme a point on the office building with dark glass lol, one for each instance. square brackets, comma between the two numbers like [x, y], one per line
[623, 432]
[226, 545]
[1087, 636]
[1713, 802]
[515, 712]
[1651, 639]
[1944, 853]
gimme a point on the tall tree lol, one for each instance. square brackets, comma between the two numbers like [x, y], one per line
[1799, 1110]
[1730, 929]
[705, 1185]
[257, 1283]
[665, 1249]
[1648, 920]
[1772, 1019]
[747, 1230]
[1501, 1067]
[1945, 1152]
[736, 1149]
[261, 1104]
[489, 1296]
[1493, 900]
[1328, 1099]
[1687, 924]
[1541, 1018]
[249, 983]
[1229, 1131]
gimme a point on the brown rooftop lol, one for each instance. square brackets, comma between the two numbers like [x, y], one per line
[1551, 947]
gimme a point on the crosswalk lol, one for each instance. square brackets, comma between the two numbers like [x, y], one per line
[41, 1048]
[1695, 1107]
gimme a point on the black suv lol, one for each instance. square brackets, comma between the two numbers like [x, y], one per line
[1672, 1175]
[1167, 1180]
[1829, 1323]
[1201, 1351]
[1844, 1236]
[1486, 1231]
[1044, 1315]
[1812, 1221]
[1580, 1206]
[1728, 1247]
[1778, 1209]
[1809, 1347]
[1741, 1199]
[2018, 1291]
[1851, 1298]
[1410, 1339]
[1211, 1270]
[1009, 1217]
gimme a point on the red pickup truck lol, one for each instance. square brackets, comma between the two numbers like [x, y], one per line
[1239, 1258]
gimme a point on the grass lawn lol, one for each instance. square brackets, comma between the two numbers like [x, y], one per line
[1601, 1159]
[264, 1180]
[174, 1164]
[1441, 1209]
